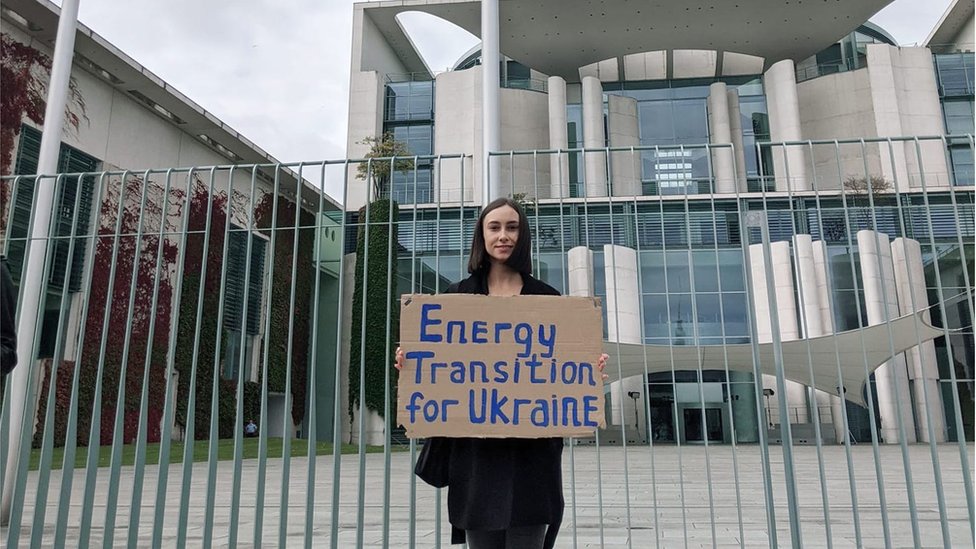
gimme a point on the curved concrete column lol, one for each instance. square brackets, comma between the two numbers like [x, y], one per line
[624, 130]
[809, 288]
[811, 285]
[789, 329]
[580, 261]
[827, 324]
[789, 163]
[735, 127]
[558, 138]
[623, 325]
[891, 378]
[594, 137]
[720, 132]
[923, 367]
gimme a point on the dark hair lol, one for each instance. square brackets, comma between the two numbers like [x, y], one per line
[521, 258]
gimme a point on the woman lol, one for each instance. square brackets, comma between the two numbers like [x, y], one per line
[503, 493]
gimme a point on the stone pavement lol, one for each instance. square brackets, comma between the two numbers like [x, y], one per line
[678, 497]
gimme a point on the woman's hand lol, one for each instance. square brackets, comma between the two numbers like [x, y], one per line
[399, 359]
[601, 364]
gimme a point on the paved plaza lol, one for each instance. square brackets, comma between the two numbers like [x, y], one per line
[678, 497]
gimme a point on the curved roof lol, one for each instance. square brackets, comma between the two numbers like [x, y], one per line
[557, 37]
[953, 22]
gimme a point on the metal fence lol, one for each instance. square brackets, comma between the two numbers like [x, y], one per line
[182, 304]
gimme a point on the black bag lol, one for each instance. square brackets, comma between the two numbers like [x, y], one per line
[434, 462]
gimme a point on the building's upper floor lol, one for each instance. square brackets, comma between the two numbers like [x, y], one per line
[660, 90]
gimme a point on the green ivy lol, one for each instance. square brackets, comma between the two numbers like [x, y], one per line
[373, 274]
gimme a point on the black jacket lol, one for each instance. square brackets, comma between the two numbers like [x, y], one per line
[497, 483]
[8, 325]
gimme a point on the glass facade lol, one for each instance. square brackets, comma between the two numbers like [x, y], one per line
[408, 114]
[693, 283]
[847, 54]
[954, 75]
[674, 113]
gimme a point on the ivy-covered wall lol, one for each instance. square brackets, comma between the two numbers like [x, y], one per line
[377, 274]
[277, 298]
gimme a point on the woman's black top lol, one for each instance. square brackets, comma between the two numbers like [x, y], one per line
[497, 483]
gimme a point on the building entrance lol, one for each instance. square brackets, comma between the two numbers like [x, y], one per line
[695, 431]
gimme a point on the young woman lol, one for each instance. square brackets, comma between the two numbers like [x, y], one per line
[502, 493]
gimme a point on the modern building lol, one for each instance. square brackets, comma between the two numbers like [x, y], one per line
[727, 177]
[122, 117]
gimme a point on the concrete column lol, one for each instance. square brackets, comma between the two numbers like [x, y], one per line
[789, 328]
[809, 294]
[878, 279]
[624, 130]
[580, 281]
[720, 132]
[923, 368]
[784, 125]
[735, 127]
[812, 282]
[623, 325]
[491, 125]
[827, 325]
[558, 138]
[594, 137]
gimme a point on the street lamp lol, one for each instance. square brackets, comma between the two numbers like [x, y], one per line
[635, 395]
[768, 393]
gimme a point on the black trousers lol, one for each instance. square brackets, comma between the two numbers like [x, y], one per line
[517, 537]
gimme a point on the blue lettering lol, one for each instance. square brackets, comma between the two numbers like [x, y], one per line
[501, 376]
[426, 321]
[497, 414]
[533, 364]
[523, 336]
[518, 402]
[589, 407]
[457, 372]
[588, 368]
[541, 409]
[459, 324]
[419, 356]
[499, 328]
[567, 403]
[569, 372]
[549, 342]
[430, 411]
[433, 370]
[413, 406]
[445, 404]
[475, 366]
[479, 332]
[472, 411]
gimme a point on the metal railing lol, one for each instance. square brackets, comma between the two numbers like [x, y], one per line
[141, 411]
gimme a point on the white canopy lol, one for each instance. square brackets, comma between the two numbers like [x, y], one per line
[850, 356]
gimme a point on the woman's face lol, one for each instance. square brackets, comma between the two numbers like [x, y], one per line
[501, 230]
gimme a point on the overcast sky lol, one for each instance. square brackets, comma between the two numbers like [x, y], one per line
[278, 71]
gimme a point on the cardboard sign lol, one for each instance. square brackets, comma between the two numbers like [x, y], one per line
[480, 366]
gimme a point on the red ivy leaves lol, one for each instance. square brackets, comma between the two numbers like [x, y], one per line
[24, 72]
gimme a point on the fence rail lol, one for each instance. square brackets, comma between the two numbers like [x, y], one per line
[800, 350]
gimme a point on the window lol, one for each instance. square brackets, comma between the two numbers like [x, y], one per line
[409, 115]
[954, 73]
[70, 160]
[240, 330]
[407, 101]
[958, 116]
